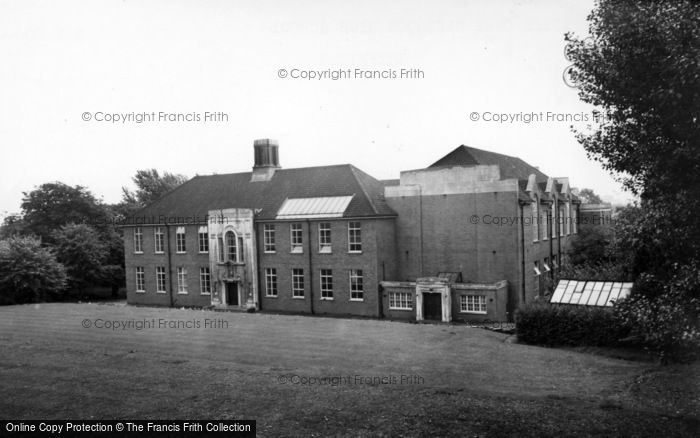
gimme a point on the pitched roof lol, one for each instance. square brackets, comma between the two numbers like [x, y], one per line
[511, 167]
[197, 196]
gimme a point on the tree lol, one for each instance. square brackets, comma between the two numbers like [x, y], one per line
[641, 68]
[53, 205]
[12, 225]
[150, 185]
[80, 250]
[28, 271]
[588, 196]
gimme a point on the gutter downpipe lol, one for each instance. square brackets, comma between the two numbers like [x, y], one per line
[522, 253]
[311, 269]
[170, 268]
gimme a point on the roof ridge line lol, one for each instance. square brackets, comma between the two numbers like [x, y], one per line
[353, 169]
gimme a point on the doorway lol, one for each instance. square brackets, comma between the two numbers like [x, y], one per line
[232, 294]
[432, 306]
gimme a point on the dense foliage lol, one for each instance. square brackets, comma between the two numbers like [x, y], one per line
[641, 68]
[77, 238]
[545, 324]
[29, 272]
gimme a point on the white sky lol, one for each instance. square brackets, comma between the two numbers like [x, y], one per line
[60, 59]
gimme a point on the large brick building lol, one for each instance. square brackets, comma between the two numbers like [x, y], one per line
[473, 236]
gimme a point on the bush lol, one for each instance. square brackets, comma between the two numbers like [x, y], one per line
[666, 320]
[28, 272]
[555, 325]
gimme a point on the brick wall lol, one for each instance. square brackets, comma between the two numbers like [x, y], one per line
[377, 253]
[192, 260]
[483, 250]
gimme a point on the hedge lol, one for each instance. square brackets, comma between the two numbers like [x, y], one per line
[554, 325]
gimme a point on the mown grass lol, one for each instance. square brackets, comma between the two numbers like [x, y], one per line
[473, 382]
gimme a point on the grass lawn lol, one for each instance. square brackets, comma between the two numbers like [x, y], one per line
[459, 381]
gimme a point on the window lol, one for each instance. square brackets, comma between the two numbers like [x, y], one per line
[140, 279]
[160, 279]
[326, 284]
[271, 282]
[203, 239]
[297, 283]
[219, 247]
[269, 238]
[574, 219]
[204, 281]
[180, 239]
[545, 265]
[354, 237]
[357, 292]
[401, 300]
[472, 304]
[562, 219]
[295, 234]
[568, 218]
[535, 220]
[324, 237]
[159, 239]
[537, 278]
[554, 220]
[232, 252]
[138, 240]
[181, 280]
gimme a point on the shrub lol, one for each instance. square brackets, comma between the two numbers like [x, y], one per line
[668, 319]
[554, 325]
[28, 272]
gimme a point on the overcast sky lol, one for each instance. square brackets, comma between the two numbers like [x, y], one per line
[63, 60]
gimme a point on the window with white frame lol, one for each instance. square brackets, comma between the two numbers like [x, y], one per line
[326, 284]
[159, 240]
[545, 265]
[401, 300]
[232, 251]
[182, 280]
[269, 237]
[297, 283]
[567, 226]
[140, 279]
[138, 240]
[472, 303]
[241, 249]
[204, 281]
[535, 220]
[270, 282]
[324, 237]
[180, 240]
[296, 237]
[536, 285]
[219, 247]
[354, 237]
[203, 237]
[160, 279]
[574, 219]
[357, 291]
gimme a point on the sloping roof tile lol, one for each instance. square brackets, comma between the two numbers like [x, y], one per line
[511, 167]
[203, 193]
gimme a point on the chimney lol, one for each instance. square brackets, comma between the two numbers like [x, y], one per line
[266, 159]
